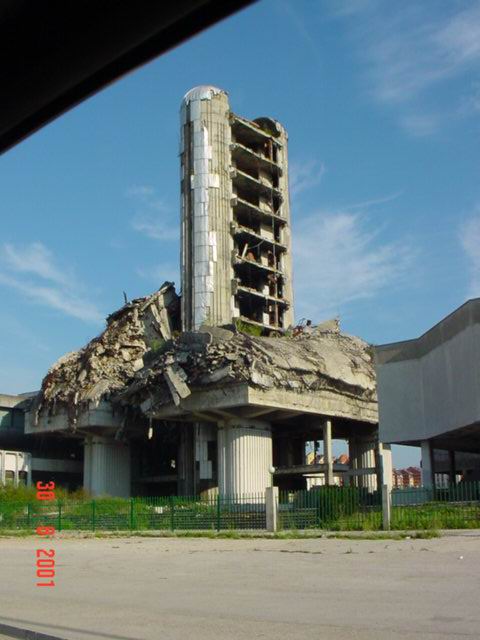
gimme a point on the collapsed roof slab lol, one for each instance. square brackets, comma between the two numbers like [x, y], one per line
[278, 404]
[218, 372]
[101, 418]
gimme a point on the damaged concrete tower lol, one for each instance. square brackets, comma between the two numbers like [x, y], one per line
[235, 235]
[168, 401]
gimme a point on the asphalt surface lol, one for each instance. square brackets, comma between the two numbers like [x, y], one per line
[172, 589]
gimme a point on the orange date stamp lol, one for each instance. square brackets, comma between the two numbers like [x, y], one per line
[45, 558]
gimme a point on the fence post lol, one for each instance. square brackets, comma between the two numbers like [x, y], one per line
[93, 515]
[172, 513]
[59, 516]
[271, 508]
[131, 513]
[219, 513]
[28, 516]
[386, 507]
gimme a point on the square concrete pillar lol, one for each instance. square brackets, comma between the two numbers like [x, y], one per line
[327, 452]
[385, 466]
[428, 473]
[362, 452]
[271, 507]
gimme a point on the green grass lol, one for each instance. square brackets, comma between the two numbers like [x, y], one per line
[24, 495]
[20, 510]
[439, 515]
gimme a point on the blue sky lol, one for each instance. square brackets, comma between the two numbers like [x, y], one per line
[382, 104]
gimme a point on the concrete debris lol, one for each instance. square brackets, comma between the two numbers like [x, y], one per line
[174, 375]
[110, 361]
[142, 360]
[323, 359]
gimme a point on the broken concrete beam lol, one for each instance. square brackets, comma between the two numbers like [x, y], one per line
[177, 386]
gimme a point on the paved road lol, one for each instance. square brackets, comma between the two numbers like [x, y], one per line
[201, 589]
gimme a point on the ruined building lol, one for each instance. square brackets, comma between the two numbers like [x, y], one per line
[213, 391]
[236, 253]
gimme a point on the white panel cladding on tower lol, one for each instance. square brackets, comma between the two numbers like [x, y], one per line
[236, 241]
[244, 457]
[205, 139]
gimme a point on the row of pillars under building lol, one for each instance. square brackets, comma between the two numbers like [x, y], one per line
[369, 462]
[428, 465]
[244, 459]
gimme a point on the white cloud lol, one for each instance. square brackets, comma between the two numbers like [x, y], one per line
[301, 25]
[153, 217]
[470, 241]
[373, 202]
[409, 50]
[35, 259]
[31, 271]
[339, 260]
[305, 175]
[415, 49]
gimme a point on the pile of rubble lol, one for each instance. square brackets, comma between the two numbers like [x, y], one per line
[323, 358]
[143, 360]
[109, 362]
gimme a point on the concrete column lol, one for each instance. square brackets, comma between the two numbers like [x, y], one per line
[206, 241]
[362, 458]
[271, 508]
[352, 463]
[204, 433]
[106, 469]
[428, 476]
[29, 470]
[87, 463]
[327, 451]
[186, 460]
[15, 477]
[386, 507]
[244, 456]
[385, 466]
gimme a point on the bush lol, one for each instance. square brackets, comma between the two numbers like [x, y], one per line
[249, 329]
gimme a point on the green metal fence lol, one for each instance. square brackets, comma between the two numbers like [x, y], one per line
[351, 508]
[114, 514]
[455, 507]
[329, 508]
[332, 508]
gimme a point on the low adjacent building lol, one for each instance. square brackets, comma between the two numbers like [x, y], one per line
[27, 458]
[429, 394]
